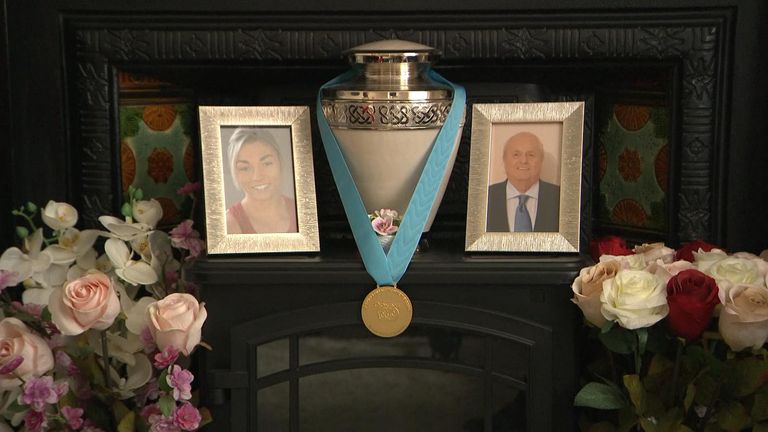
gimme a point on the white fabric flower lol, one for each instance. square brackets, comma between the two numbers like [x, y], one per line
[26, 264]
[635, 299]
[59, 215]
[123, 230]
[137, 375]
[133, 272]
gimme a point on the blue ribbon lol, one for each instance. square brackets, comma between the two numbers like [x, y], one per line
[387, 269]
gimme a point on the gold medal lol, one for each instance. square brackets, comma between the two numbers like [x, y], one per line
[387, 311]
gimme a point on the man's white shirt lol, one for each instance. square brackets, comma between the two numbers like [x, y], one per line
[513, 200]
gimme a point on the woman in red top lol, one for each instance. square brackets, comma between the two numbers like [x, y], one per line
[256, 167]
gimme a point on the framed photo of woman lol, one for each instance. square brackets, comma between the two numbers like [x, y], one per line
[525, 177]
[258, 179]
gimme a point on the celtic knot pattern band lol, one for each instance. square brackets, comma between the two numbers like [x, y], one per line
[386, 115]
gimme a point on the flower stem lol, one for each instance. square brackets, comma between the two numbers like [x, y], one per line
[105, 357]
[676, 370]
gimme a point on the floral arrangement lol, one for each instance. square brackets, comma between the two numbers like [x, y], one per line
[385, 221]
[682, 338]
[100, 342]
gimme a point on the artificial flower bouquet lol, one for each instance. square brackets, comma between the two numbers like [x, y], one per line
[99, 342]
[682, 338]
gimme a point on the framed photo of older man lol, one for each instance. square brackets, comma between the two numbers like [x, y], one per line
[525, 177]
[259, 180]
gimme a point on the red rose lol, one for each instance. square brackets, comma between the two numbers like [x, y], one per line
[686, 251]
[608, 245]
[692, 296]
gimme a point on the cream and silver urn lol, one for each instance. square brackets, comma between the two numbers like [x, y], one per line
[386, 118]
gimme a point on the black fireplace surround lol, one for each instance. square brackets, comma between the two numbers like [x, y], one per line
[494, 344]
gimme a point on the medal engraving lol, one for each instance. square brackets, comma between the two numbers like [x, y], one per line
[387, 311]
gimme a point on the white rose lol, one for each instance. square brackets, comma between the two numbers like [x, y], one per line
[736, 270]
[744, 320]
[148, 212]
[634, 262]
[704, 260]
[655, 251]
[635, 299]
[588, 286]
[59, 215]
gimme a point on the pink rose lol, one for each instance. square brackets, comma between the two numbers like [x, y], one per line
[177, 321]
[85, 303]
[588, 287]
[17, 341]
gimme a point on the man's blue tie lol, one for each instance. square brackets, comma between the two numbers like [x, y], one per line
[523, 218]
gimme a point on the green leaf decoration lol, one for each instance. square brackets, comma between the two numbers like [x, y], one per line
[206, 416]
[167, 404]
[619, 340]
[760, 427]
[127, 423]
[600, 396]
[601, 427]
[732, 416]
[707, 390]
[636, 392]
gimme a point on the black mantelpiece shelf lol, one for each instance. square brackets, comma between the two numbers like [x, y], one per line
[435, 266]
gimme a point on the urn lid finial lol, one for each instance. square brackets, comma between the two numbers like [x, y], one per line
[392, 51]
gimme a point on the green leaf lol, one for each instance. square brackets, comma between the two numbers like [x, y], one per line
[31, 207]
[690, 393]
[607, 327]
[127, 423]
[45, 315]
[760, 427]
[636, 392]
[707, 390]
[747, 374]
[167, 404]
[619, 340]
[162, 381]
[206, 416]
[600, 396]
[733, 416]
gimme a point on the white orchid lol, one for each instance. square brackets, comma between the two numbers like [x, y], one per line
[59, 215]
[135, 311]
[124, 230]
[72, 244]
[137, 375]
[131, 271]
[26, 264]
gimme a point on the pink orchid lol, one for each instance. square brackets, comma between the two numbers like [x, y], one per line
[40, 391]
[184, 237]
[73, 416]
[181, 381]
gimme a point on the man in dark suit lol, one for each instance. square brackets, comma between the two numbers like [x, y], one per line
[523, 202]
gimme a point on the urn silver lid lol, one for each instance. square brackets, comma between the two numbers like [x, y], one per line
[390, 90]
